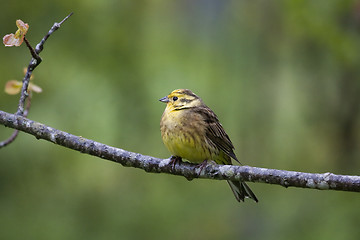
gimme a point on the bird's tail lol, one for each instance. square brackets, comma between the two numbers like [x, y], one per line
[241, 191]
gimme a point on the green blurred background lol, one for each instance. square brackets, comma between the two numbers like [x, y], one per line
[283, 77]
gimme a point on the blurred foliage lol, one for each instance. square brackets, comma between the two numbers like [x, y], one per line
[283, 77]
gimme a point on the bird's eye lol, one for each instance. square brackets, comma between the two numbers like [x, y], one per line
[175, 98]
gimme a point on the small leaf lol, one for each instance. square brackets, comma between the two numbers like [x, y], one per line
[34, 88]
[13, 87]
[9, 40]
[16, 39]
[22, 28]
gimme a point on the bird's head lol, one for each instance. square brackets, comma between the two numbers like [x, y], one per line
[181, 99]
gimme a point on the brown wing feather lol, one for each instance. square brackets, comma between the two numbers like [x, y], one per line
[216, 133]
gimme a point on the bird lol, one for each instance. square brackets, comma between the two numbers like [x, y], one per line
[191, 130]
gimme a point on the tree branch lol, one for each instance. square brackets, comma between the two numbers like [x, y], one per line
[16, 132]
[326, 181]
[35, 61]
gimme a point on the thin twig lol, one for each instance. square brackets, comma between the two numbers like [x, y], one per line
[55, 27]
[32, 51]
[24, 89]
[34, 63]
[10, 139]
[325, 181]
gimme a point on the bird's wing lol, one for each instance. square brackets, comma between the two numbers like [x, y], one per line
[216, 133]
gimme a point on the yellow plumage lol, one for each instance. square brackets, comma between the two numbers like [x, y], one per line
[191, 130]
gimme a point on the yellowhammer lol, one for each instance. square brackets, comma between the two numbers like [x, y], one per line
[191, 130]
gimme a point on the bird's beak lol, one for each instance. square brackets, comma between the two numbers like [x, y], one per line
[164, 99]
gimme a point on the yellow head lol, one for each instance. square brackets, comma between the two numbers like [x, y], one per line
[180, 99]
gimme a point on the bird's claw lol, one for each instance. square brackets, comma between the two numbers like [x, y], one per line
[201, 166]
[173, 161]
